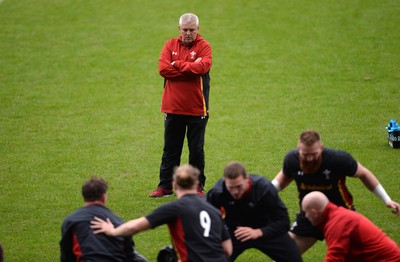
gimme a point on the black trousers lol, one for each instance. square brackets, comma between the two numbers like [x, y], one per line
[280, 248]
[175, 129]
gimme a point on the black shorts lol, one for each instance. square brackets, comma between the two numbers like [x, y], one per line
[302, 227]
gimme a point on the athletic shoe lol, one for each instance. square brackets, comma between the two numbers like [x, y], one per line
[161, 192]
[200, 192]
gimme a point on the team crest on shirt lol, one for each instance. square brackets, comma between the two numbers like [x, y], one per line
[327, 174]
[174, 53]
[192, 54]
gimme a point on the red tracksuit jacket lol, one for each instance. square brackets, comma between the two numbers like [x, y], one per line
[352, 237]
[187, 81]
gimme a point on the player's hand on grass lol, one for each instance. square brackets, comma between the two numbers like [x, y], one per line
[102, 226]
[246, 233]
[394, 206]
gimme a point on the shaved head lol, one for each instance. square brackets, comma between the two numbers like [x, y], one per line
[313, 205]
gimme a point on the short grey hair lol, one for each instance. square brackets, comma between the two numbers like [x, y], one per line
[189, 17]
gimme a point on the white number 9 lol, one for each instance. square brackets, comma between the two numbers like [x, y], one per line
[205, 223]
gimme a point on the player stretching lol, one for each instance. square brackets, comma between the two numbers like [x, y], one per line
[315, 168]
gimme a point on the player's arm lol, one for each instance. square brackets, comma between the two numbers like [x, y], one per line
[278, 222]
[129, 228]
[372, 183]
[338, 241]
[166, 64]
[281, 181]
[247, 233]
[66, 245]
[227, 247]
[198, 67]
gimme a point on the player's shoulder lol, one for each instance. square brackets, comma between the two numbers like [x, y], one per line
[172, 41]
[209, 207]
[81, 212]
[200, 41]
[292, 155]
[195, 203]
[218, 186]
[190, 200]
[216, 192]
[261, 185]
[335, 153]
[87, 213]
[258, 179]
[200, 38]
[292, 152]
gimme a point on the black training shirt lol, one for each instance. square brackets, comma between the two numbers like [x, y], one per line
[196, 228]
[330, 178]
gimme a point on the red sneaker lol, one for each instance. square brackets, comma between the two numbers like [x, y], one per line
[161, 192]
[200, 192]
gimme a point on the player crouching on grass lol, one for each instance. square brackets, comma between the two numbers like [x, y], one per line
[196, 227]
[349, 235]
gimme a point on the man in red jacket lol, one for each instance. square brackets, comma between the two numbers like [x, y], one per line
[349, 235]
[184, 64]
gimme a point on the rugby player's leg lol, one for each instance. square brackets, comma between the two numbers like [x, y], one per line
[303, 243]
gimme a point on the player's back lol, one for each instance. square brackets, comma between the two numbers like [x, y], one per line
[203, 228]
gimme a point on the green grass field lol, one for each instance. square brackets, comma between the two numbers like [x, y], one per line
[80, 96]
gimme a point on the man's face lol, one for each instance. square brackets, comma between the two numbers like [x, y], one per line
[189, 31]
[313, 216]
[310, 157]
[237, 187]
